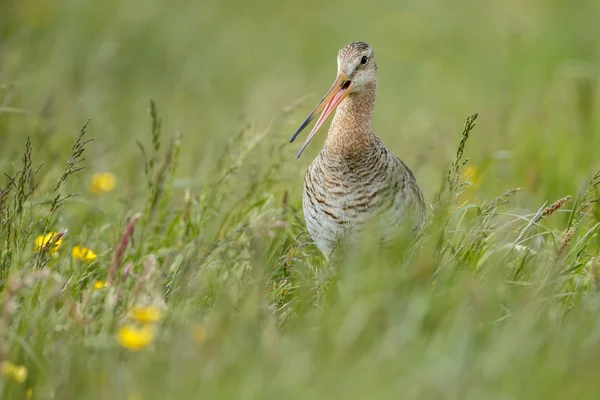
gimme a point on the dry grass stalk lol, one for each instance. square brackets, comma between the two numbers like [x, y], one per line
[565, 242]
[543, 213]
[121, 247]
[555, 206]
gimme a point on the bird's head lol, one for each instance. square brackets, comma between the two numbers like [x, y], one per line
[356, 66]
[356, 69]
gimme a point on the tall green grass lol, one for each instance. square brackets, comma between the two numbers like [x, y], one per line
[497, 298]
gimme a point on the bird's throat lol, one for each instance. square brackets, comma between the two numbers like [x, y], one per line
[351, 131]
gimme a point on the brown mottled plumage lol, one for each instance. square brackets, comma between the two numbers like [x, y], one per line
[356, 180]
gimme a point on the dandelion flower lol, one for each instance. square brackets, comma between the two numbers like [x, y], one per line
[103, 182]
[146, 315]
[100, 284]
[134, 338]
[16, 372]
[44, 240]
[83, 253]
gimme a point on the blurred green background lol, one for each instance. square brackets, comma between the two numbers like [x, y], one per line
[493, 307]
[531, 70]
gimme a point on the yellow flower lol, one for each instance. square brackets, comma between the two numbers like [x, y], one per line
[29, 393]
[103, 182]
[100, 284]
[16, 372]
[83, 253]
[146, 315]
[472, 176]
[134, 338]
[44, 240]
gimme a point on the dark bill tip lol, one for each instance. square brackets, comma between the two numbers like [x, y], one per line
[302, 126]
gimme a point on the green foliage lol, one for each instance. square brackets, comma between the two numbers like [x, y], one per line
[497, 298]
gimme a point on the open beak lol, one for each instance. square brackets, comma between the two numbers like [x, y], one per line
[335, 95]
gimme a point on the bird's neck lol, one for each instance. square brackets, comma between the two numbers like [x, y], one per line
[351, 133]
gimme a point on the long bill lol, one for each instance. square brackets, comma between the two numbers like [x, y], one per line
[335, 95]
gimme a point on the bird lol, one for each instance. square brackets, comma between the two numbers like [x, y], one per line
[355, 181]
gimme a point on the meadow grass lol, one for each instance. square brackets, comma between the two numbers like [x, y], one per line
[158, 250]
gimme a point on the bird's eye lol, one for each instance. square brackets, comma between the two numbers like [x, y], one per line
[364, 60]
